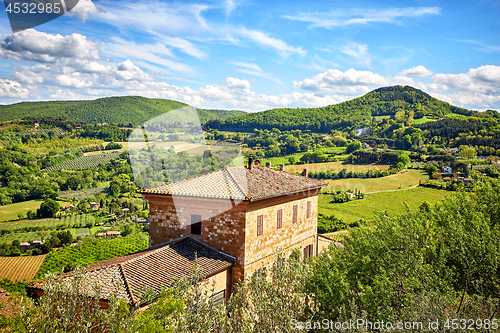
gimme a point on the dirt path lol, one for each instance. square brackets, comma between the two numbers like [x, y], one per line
[401, 189]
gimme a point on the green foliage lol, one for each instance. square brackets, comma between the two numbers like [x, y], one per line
[332, 223]
[49, 208]
[118, 110]
[436, 262]
[84, 162]
[353, 146]
[92, 251]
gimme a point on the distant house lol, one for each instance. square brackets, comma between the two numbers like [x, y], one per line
[446, 169]
[69, 207]
[113, 233]
[94, 205]
[141, 221]
[24, 246]
[101, 234]
[37, 125]
[36, 244]
[126, 210]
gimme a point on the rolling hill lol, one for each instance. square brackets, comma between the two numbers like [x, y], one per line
[120, 110]
[402, 103]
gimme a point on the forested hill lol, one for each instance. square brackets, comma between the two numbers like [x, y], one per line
[119, 110]
[402, 103]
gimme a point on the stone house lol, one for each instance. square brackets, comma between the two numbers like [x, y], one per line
[233, 220]
[246, 212]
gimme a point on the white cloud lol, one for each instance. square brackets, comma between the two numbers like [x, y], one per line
[238, 84]
[153, 53]
[32, 45]
[84, 8]
[230, 6]
[254, 70]
[355, 16]
[12, 89]
[359, 52]
[263, 39]
[417, 71]
[350, 82]
[484, 79]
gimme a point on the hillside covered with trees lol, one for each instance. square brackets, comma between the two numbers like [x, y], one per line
[119, 110]
[401, 103]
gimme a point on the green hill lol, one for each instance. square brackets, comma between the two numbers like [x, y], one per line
[119, 110]
[401, 103]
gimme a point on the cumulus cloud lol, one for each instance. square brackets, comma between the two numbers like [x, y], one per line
[355, 16]
[13, 89]
[36, 46]
[484, 79]
[417, 71]
[84, 8]
[237, 83]
[349, 82]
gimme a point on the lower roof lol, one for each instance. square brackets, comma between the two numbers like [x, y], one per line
[128, 277]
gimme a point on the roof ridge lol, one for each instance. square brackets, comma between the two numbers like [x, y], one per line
[237, 182]
[129, 290]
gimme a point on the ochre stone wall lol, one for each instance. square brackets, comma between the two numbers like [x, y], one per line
[260, 250]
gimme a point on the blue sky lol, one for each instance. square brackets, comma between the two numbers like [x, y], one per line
[257, 55]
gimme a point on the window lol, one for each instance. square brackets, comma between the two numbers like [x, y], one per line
[295, 213]
[218, 297]
[260, 225]
[308, 251]
[196, 224]
[308, 209]
[279, 218]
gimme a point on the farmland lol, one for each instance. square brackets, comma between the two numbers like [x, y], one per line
[366, 185]
[11, 212]
[84, 162]
[90, 251]
[336, 166]
[18, 269]
[392, 202]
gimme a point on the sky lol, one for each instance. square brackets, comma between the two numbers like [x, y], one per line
[256, 55]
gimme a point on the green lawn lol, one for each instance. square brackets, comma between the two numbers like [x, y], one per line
[365, 185]
[422, 121]
[392, 202]
[10, 212]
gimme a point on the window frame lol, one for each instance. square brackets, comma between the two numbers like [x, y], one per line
[260, 225]
[196, 225]
[279, 219]
[308, 213]
[295, 213]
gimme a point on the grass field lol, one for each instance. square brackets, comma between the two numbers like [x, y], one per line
[422, 121]
[336, 166]
[366, 185]
[83, 193]
[20, 268]
[392, 202]
[10, 212]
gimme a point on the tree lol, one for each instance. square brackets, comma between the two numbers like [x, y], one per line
[467, 153]
[353, 146]
[404, 158]
[49, 208]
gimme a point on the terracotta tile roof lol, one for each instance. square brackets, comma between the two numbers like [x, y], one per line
[128, 276]
[238, 183]
[7, 304]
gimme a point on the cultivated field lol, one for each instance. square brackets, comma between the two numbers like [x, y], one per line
[84, 162]
[10, 212]
[366, 185]
[336, 166]
[392, 202]
[191, 148]
[20, 268]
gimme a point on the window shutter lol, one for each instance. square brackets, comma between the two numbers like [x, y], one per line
[308, 209]
[260, 225]
[280, 218]
[295, 213]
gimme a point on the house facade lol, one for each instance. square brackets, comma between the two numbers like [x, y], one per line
[269, 210]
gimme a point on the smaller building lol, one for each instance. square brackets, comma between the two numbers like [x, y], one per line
[94, 205]
[153, 269]
[446, 169]
[24, 246]
[113, 234]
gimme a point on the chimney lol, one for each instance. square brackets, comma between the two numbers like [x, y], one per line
[282, 167]
[304, 173]
[250, 162]
[268, 164]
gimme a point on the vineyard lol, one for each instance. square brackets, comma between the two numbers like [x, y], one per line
[91, 251]
[56, 130]
[27, 230]
[84, 162]
[20, 268]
